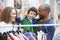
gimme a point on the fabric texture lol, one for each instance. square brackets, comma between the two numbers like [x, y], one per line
[50, 30]
[29, 35]
[26, 21]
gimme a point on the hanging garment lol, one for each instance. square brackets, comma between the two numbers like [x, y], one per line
[29, 35]
[44, 36]
[4, 27]
[13, 37]
[5, 35]
[26, 38]
[1, 36]
[17, 36]
[21, 36]
[8, 38]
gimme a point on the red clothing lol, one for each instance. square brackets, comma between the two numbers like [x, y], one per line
[17, 35]
[11, 36]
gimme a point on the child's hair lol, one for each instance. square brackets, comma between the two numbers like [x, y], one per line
[32, 9]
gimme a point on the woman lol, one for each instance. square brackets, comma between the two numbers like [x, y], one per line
[7, 18]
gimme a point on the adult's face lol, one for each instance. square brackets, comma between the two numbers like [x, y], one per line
[13, 15]
[42, 12]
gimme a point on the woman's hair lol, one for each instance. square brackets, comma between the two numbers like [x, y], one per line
[5, 15]
[32, 9]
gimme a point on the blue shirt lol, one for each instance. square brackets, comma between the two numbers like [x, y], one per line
[48, 28]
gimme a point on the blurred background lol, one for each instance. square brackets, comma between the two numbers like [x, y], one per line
[23, 5]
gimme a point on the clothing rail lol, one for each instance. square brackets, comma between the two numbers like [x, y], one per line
[5, 28]
[31, 25]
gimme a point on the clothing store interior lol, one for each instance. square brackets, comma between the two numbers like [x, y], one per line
[29, 19]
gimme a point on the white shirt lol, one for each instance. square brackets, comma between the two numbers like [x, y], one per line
[4, 27]
[30, 20]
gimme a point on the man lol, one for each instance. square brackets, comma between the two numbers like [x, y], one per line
[43, 12]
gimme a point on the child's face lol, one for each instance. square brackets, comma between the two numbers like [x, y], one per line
[32, 14]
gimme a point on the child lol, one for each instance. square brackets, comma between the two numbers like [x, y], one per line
[29, 19]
